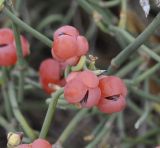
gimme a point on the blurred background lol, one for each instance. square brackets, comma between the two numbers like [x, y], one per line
[100, 21]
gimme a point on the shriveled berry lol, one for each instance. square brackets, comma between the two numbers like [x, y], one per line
[41, 143]
[49, 74]
[66, 30]
[113, 93]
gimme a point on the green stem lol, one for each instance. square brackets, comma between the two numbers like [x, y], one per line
[108, 4]
[129, 67]
[101, 134]
[80, 64]
[123, 14]
[21, 87]
[138, 111]
[144, 95]
[50, 113]
[21, 62]
[6, 103]
[18, 45]
[33, 83]
[127, 36]
[143, 117]
[70, 13]
[5, 95]
[147, 74]
[71, 126]
[5, 124]
[50, 19]
[28, 130]
[67, 71]
[27, 28]
[124, 54]
[120, 121]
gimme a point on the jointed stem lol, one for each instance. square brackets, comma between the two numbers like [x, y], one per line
[21, 62]
[28, 130]
[123, 55]
[104, 130]
[70, 128]
[50, 113]
[27, 28]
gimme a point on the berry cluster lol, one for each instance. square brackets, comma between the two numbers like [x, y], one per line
[38, 143]
[68, 47]
[84, 87]
[8, 56]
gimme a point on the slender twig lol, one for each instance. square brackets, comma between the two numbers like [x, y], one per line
[50, 19]
[17, 113]
[71, 126]
[147, 107]
[5, 95]
[129, 67]
[127, 36]
[109, 3]
[123, 14]
[124, 54]
[144, 95]
[27, 28]
[50, 113]
[4, 123]
[21, 62]
[147, 74]
[104, 130]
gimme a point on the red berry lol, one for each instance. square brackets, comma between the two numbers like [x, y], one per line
[93, 97]
[25, 46]
[68, 45]
[8, 53]
[77, 90]
[74, 91]
[116, 104]
[113, 93]
[72, 76]
[64, 47]
[89, 79]
[41, 143]
[71, 61]
[6, 36]
[25, 146]
[83, 46]
[66, 30]
[112, 85]
[49, 74]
